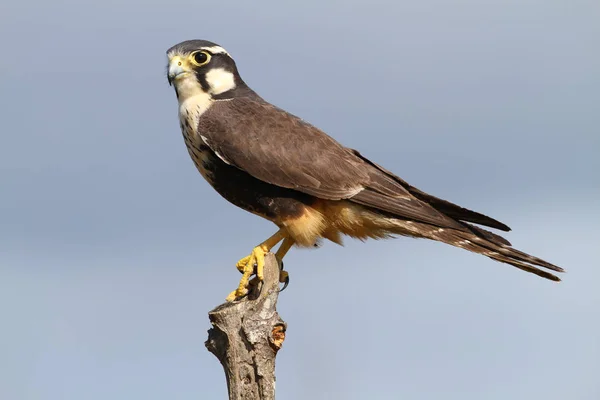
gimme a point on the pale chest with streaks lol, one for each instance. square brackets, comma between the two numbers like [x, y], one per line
[202, 156]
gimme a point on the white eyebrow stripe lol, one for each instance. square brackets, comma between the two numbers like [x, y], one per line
[211, 49]
[215, 49]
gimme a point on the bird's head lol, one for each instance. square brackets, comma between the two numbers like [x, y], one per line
[201, 67]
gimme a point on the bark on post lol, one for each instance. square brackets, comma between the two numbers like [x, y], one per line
[246, 336]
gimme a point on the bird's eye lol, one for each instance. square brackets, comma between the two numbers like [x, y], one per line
[200, 58]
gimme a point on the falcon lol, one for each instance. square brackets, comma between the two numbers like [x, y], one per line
[279, 167]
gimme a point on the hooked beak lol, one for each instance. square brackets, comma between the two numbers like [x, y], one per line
[175, 69]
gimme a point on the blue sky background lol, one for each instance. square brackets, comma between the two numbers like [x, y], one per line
[113, 249]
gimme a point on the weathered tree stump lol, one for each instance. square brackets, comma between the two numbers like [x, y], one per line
[246, 336]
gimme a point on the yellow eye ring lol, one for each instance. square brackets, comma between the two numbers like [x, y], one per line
[199, 58]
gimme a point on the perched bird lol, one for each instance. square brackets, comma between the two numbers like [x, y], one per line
[277, 166]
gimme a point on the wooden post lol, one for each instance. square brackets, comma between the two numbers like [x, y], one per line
[246, 336]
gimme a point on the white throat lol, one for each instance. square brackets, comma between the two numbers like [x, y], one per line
[193, 101]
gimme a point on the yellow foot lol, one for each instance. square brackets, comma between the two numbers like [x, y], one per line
[246, 267]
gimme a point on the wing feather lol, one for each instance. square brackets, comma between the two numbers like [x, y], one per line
[281, 149]
[450, 209]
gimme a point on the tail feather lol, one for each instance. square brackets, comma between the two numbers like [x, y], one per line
[512, 261]
[513, 253]
[492, 237]
[491, 245]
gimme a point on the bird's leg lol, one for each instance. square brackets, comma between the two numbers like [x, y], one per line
[246, 264]
[284, 277]
[287, 244]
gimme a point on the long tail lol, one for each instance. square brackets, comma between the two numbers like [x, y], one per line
[470, 238]
[501, 250]
[483, 242]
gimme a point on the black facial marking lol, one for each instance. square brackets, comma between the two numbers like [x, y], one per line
[201, 77]
[223, 61]
[217, 60]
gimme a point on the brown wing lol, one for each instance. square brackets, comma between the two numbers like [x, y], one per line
[281, 149]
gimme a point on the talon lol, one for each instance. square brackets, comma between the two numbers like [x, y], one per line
[284, 278]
